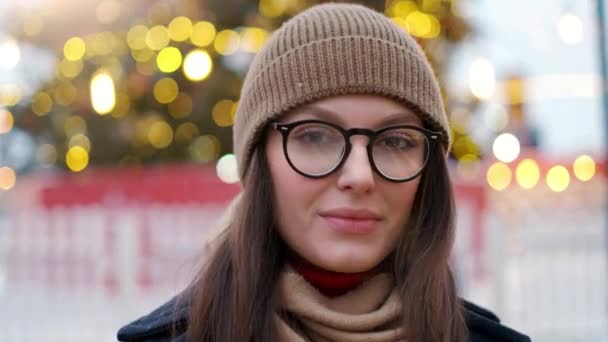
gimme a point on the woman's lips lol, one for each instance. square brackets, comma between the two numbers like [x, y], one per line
[351, 221]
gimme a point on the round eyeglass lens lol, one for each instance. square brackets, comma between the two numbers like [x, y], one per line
[400, 153]
[314, 148]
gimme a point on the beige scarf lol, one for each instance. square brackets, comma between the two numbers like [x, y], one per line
[369, 312]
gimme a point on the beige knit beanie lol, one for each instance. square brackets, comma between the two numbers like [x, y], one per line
[334, 49]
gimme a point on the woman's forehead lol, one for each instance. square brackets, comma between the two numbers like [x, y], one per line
[356, 110]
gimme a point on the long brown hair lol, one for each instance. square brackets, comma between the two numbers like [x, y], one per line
[233, 295]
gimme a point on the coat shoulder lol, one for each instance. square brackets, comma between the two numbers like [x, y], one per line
[157, 326]
[485, 326]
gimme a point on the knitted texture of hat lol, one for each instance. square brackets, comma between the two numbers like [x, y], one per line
[334, 49]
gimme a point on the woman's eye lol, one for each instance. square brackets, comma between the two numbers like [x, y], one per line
[398, 143]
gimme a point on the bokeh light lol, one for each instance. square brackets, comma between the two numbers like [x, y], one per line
[74, 49]
[584, 168]
[42, 103]
[558, 178]
[506, 147]
[157, 37]
[65, 93]
[180, 29]
[401, 8]
[197, 65]
[181, 107]
[136, 37]
[499, 176]
[169, 59]
[103, 95]
[32, 25]
[46, 155]
[80, 140]
[165, 90]
[6, 121]
[77, 158]
[70, 69]
[10, 52]
[123, 105]
[272, 8]
[570, 28]
[227, 42]
[481, 78]
[253, 39]
[186, 132]
[203, 34]
[8, 178]
[204, 149]
[160, 134]
[227, 170]
[74, 125]
[142, 55]
[422, 25]
[527, 173]
[10, 94]
[223, 113]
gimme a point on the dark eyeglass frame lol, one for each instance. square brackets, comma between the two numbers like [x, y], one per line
[286, 128]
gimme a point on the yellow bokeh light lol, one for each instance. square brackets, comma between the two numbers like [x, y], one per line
[80, 140]
[157, 37]
[77, 158]
[103, 94]
[74, 125]
[272, 8]
[160, 134]
[197, 65]
[70, 69]
[227, 42]
[527, 173]
[186, 132]
[203, 33]
[481, 78]
[65, 93]
[180, 29]
[205, 148]
[32, 25]
[223, 113]
[463, 146]
[253, 39]
[418, 24]
[8, 178]
[123, 105]
[10, 94]
[6, 121]
[169, 59]
[181, 107]
[136, 37]
[142, 55]
[499, 176]
[42, 103]
[46, 155]
[584, 168]
[74, 49]
[101, 44]
[165, 90]
[558, 178]
[401, 8]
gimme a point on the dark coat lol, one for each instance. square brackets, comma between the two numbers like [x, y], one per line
[483, 325]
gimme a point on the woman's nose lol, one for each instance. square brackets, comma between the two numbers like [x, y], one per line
[357, 174]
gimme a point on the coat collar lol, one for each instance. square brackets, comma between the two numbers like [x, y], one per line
[483, 325]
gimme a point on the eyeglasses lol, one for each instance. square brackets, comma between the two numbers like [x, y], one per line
[315, 148]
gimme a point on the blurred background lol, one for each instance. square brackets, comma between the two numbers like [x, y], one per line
[116, 153]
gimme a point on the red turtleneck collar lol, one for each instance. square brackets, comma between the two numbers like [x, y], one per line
[329, 283]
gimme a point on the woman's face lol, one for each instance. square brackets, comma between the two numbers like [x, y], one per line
[350, 220]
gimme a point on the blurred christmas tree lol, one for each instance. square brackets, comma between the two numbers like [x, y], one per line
[160, 83]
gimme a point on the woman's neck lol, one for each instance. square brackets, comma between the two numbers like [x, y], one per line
[329, 283]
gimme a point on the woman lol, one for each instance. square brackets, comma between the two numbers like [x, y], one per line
[345, 224]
